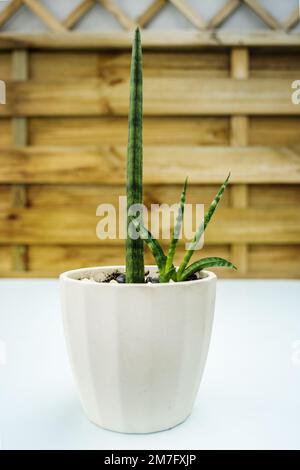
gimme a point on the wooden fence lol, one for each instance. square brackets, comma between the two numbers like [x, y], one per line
[214, 102]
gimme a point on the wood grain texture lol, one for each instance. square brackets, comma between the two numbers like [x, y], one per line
[57, 65]
[5, 197]
[78, 226]
[161, 164]
[284, 260]
[50, 196]
[20, 73]
[151, 40]
[5, 132]
[158, 131]
[272, 195]
[278, 64]
[62, 258]
[240, 136]
[178, 96]
[5, 259]
[274, 130]
[6, 65]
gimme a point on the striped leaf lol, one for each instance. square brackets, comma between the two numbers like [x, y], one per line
[176, 231]
[153, 245]
[205, 263]
[201, 229]
[135, 248]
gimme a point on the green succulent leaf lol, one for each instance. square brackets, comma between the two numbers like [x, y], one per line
[167, 276]
[135, 248]
[176, 231]
[205, 263]
[201, 229]
[153, 245]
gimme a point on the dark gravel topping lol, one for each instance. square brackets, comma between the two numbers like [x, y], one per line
[193, 277]
[121, 279]
[153, 280]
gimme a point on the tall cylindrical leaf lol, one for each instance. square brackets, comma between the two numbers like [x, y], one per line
[135, 248]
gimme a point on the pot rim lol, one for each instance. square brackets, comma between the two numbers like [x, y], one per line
[67, 276]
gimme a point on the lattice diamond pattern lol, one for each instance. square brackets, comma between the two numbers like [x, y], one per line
[128, 23]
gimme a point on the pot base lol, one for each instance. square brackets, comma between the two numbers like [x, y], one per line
[124, 430]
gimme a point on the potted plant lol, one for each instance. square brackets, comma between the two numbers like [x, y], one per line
[138, 336]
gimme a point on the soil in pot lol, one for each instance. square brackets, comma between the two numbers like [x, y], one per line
[118, 277]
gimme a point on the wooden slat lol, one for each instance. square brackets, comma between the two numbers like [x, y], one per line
[20, 65]
[5, 133]
[279, 260]
[103, 131]
[9, 10]
[240, 63]
[63, 258]
[5, 260]
[78, 13]
[222, 14]
[239, 131]
[118, 13]
[239, 251]
[190, 14]
[178, 96]
[292, 19]
[78, 226]
[239, 136]
[5, 65]
[162, 164]
[44, 196]
[280, 63]
[169, 40]
[274, 131]
[275, 226]
[19, 131]
[44, 14]
[274, 195]
[263, 14]
[153, 9]
[50, 261]
[113, 66]
[5, 197]
[20, 72]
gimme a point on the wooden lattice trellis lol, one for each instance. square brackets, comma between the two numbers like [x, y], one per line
[144, 19]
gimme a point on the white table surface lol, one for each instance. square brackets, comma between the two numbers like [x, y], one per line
[249, 396]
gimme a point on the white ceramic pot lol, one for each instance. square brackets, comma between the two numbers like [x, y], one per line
[137, 350]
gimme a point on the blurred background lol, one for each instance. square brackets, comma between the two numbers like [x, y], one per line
[217, 97]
